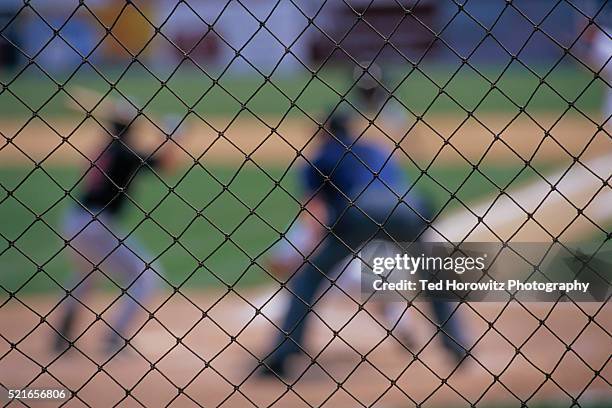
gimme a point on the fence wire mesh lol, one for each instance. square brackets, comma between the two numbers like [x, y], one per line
[257, 131]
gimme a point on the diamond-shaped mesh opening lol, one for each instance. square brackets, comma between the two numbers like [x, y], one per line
[186, 189]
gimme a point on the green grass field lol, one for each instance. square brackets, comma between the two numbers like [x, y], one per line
[222, 212]
[34, 91]
[202, 240]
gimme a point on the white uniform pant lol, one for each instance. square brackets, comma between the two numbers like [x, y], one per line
[601, 61]
[95, 243]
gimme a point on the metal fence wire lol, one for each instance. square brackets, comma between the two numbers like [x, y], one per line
[278, 119]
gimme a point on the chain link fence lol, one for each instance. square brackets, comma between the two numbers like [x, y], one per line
[188, 189]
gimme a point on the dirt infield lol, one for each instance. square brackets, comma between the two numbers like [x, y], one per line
[445, 137]
[521, 361]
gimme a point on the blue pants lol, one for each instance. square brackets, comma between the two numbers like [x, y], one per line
[351, 231]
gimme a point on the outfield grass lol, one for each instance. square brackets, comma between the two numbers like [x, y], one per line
[222, 212]
[32, 90]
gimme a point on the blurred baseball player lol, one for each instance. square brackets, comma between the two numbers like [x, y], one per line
[287, 257]
[376, 102]
[352, 186]
[599, 41]
[96, 242]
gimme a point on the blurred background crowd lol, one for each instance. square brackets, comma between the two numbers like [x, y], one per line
[212, 30]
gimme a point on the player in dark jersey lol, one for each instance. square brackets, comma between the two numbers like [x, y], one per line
[353, 187]
[109, 181]
[97, 244]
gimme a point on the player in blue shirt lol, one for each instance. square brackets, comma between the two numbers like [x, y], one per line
[359, 192]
